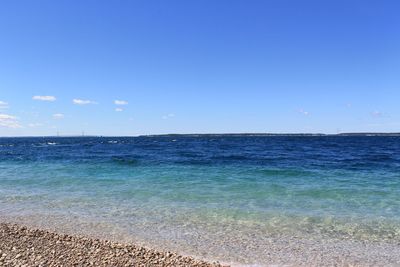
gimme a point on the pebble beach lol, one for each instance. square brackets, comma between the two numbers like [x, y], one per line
[22, 246]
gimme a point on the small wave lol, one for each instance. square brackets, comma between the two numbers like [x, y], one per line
[190, 155]
[194, 162]
[44, 144]
[284, 172]
[125, 160]
[112, 142]
[231, 157]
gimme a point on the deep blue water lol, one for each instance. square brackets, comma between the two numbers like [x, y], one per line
[331, 186]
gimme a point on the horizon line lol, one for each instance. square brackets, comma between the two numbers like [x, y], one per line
[216, 134]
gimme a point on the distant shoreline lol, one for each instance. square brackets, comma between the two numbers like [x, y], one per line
[280, 134]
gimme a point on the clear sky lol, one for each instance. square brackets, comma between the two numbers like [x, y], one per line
[200, 66]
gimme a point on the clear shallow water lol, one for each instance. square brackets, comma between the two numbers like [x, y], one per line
[223, 197]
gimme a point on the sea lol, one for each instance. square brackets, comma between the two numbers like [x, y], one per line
[239, 199]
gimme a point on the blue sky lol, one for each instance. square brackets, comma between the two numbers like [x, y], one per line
[205, 66]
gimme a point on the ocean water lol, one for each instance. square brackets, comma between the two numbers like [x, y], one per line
[229, 198]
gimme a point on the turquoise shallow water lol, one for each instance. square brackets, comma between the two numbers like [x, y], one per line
[185, 191]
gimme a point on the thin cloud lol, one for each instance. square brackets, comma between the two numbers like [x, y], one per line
[9, 121]
[44, 98]
[383, 124]
[168, 116]
[120, 102]
[32, 125]
[377, 114]
[119, 109]
[58, 116]
[305, 113]
[3, 105]
[83, 102]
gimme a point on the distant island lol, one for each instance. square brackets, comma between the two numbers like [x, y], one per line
[276, 134]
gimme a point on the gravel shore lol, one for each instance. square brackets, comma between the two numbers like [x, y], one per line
[21, 246]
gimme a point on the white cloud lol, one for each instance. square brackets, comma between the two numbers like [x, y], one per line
[118, 109]
[377, 114]
[58, 116]
[83, 102]
[171, 115]
[305, 113]
[120, 102]
[6, 117]
[9, 121]
[3, 105]
[34, 124]
[44, 97]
